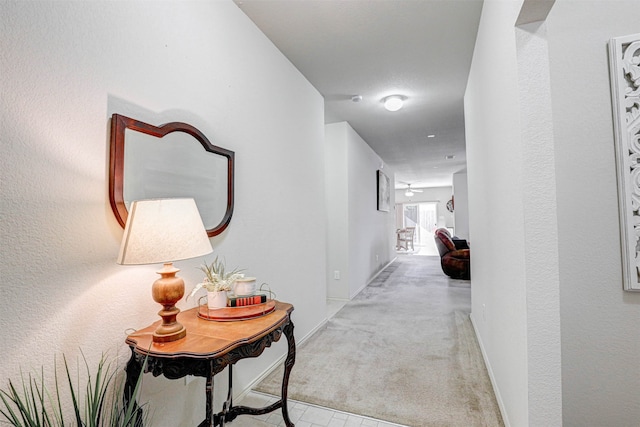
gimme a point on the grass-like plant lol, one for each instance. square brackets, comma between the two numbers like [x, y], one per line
[100, 404]
[217, 277]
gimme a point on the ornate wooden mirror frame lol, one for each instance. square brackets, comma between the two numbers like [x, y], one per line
[119, 124]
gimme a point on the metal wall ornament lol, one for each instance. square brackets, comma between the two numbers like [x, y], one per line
[450, 205]
[624, 59]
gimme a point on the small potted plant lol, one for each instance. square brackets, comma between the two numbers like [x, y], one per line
[217, 282]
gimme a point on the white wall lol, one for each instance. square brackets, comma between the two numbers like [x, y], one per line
[337, 195]
[461, 205]
[371, 232]
[495, 178]
[540, 232]
[360, 238]
[66, 67]
[600, 322]
[556, 328]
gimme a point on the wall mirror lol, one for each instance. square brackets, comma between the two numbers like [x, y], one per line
[171, 160]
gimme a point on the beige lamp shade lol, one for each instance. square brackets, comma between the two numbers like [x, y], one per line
[163, 230]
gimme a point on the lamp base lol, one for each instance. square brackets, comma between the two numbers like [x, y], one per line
[170, 329]
[168, 290]
[169, 338]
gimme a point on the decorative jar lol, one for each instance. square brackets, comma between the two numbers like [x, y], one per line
[244, 286]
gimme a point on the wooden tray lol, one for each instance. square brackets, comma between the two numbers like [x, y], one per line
[231, 314]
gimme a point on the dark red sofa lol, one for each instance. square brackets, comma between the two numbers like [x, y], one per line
[455, 262]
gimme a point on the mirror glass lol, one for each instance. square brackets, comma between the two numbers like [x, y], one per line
[170, 161]
[175, 166]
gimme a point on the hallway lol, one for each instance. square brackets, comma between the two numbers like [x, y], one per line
[419, 343]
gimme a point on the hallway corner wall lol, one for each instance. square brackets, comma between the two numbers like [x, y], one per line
[337, 201]
[496, 208]
[360, 238]
[558, 331]
[461, 205]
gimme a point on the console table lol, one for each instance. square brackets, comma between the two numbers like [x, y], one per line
[208, 348]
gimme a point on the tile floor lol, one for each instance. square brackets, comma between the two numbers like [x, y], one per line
[302, 415]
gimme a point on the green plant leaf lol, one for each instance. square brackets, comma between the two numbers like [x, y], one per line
[76, 405]
[34, 406]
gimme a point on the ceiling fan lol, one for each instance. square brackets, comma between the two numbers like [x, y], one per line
[410, 191]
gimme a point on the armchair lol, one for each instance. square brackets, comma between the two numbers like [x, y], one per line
[455, 262]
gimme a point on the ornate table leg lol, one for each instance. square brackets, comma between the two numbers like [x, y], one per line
[210, 419]
[282, 403]
[288, 364]
[134, 371]
[226, 407]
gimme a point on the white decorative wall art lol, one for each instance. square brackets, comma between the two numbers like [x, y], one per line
[624, 58]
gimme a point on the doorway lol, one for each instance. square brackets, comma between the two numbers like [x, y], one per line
[424, 217]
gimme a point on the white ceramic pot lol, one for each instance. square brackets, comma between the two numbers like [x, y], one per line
[217, 299]
[244, 286]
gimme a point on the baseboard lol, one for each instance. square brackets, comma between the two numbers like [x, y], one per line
[275, 364]
[381, 270]
[372, 279]
[496, 392]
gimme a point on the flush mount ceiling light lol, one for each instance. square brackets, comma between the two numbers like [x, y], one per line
[449, 156]
[356, 98]
[393, 102]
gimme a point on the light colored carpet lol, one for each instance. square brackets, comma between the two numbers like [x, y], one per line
[403, 350]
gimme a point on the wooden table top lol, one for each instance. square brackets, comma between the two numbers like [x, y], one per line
[206, 338]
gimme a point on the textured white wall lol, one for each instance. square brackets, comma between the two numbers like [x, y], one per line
[540, 227]
[600, 322]
[546, 129]
[360, 239]
[337, 195]
[461, 205]
[496, 212]
[66, 67]
[516, 312]
[371, 232]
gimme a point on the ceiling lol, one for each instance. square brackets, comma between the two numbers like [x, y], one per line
[420, 49]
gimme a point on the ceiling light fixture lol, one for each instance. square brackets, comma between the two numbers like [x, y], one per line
[449, 156]
[356, 98]
[408, 193]
[393, 102]
[431, 136]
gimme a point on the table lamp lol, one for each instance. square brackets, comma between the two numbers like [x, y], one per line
[164, 230]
